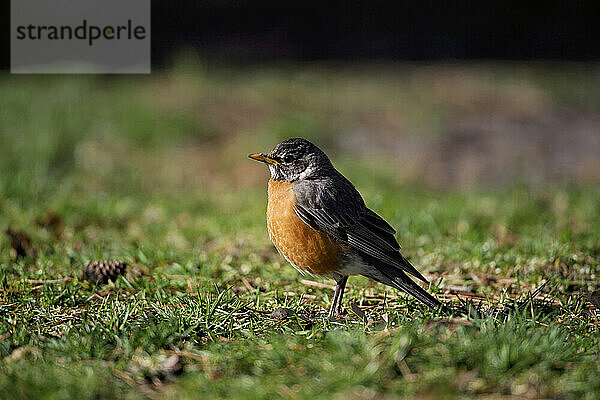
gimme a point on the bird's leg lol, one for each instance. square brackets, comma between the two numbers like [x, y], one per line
[336, 305]
[342, 289]
[332, 308]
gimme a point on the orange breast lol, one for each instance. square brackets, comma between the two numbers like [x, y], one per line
[305, 248]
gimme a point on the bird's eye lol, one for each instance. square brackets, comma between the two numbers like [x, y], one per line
[287, 158]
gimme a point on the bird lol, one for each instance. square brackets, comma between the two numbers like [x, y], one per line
[319, 223]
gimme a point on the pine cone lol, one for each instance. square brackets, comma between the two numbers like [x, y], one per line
[103, 270]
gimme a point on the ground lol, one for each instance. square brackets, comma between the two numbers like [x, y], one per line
[152, 171]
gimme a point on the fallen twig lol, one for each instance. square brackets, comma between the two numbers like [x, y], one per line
[317, 284]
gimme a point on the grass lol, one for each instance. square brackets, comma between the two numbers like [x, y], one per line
[152, 173]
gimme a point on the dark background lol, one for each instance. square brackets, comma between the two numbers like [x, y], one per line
[258, 32]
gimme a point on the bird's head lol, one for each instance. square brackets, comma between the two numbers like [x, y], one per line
[294, 160]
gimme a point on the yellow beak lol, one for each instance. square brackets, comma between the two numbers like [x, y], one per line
[263, 158]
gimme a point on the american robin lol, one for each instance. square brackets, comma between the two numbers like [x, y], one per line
[319, 222]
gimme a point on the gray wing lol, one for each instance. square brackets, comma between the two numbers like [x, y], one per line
[335, 207]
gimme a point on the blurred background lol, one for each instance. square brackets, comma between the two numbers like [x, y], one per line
[447, 95]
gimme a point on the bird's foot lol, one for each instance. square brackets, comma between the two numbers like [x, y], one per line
[336, 315]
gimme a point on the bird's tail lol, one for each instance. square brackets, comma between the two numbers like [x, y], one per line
[396, 278]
